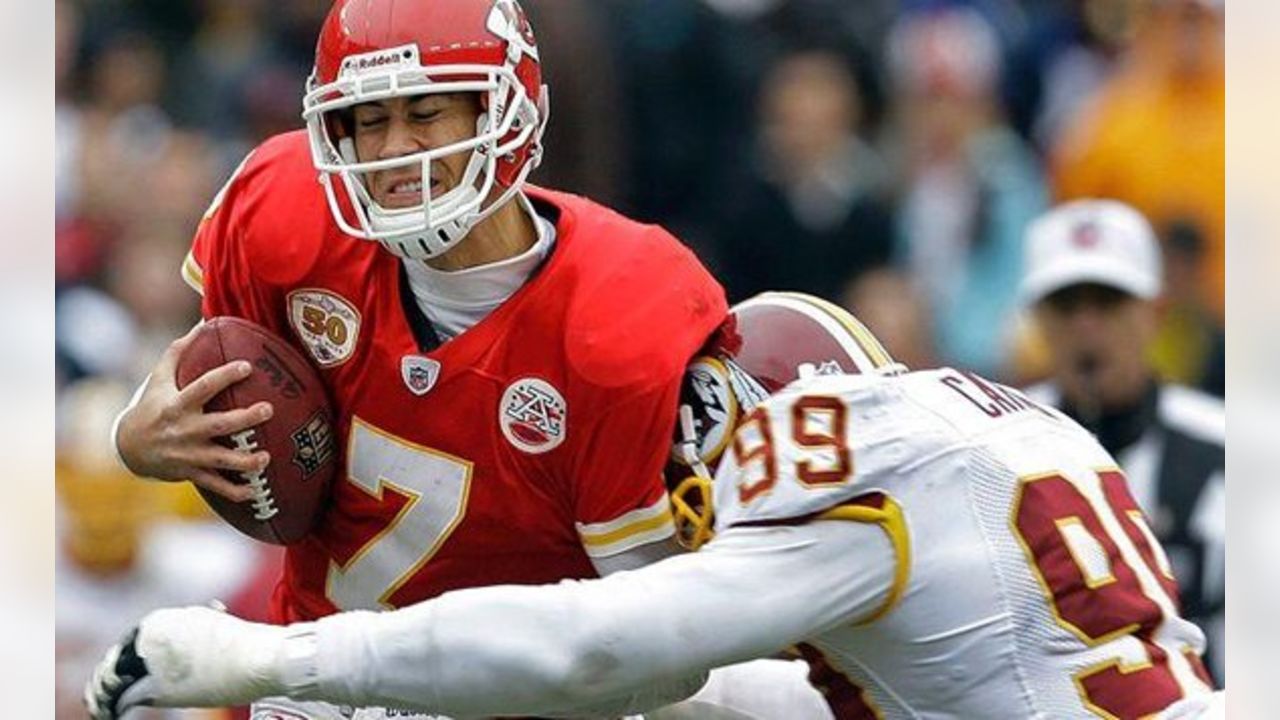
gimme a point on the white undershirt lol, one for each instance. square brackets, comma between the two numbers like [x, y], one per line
[455, 301]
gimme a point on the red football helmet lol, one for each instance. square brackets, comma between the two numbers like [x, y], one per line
[371, 50]
[766, 342]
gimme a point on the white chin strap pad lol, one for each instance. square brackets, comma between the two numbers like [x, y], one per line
[347, 149]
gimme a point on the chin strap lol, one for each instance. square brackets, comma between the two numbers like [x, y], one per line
[347, 149]
[691, 507]
[687, 448]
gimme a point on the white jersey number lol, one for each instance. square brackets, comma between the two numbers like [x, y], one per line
[434, 487]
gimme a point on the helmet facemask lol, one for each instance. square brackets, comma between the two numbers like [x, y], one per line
[510, 123]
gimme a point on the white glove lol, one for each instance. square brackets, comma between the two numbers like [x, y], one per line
[191, 657]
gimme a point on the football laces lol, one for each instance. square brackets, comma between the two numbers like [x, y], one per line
[264, 504]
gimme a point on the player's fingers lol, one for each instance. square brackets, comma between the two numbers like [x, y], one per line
[215, 483]
[203, 388]
[218, 457]
[169, 360]
[217, 424]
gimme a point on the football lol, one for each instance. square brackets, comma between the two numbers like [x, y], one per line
[291, 493]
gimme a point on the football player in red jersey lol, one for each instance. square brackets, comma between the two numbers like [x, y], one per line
[505, 360]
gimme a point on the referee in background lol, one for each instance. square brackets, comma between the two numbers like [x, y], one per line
[1093, 278]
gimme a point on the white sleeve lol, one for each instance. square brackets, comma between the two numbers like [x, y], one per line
[586, 645]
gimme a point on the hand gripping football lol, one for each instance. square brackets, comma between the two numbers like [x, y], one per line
[291, 493]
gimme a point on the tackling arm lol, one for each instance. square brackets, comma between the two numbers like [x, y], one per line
[624, 643]
[594, 644]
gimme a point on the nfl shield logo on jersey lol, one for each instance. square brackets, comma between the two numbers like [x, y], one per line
[532, 415]
[313, 444]
[419, 373]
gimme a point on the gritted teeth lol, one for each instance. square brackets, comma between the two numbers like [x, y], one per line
[407, 186]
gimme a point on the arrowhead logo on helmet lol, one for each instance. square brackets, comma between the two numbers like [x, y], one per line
[507, 20]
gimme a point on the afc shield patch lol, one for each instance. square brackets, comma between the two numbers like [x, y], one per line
[326, 323]
[313, 445]
[532, 415]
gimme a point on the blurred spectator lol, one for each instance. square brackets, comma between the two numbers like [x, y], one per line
[78, 249]
[1093, 276]
[1068, 53]
[686, 88]
[112, 326]
[93, 335]
[124, 86]
[231, 50]
[1189, 347]
[689, 72]
[142, 280]
[66, 114]
[968, 185]
[294, 26]
[1155, 135]
[895, 311]
[811, 215]
[587, 157]
[175, 182]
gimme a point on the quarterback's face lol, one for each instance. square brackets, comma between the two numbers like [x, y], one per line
[1098, 338]
[403, 126]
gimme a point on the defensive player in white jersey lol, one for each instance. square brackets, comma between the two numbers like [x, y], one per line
[937, 544]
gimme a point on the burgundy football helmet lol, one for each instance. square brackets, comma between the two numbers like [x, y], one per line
[372, 50]
[766, 342]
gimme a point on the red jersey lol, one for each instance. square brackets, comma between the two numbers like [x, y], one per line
[513, 453]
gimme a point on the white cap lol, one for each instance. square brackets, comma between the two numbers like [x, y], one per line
[1091, 241]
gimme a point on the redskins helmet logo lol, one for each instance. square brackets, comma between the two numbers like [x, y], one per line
[709, 395]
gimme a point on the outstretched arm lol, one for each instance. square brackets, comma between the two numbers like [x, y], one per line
[623, 643]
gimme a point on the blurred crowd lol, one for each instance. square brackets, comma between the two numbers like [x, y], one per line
[885, 154]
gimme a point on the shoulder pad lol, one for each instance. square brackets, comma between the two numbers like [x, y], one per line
[642, 306]
[275, 210]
